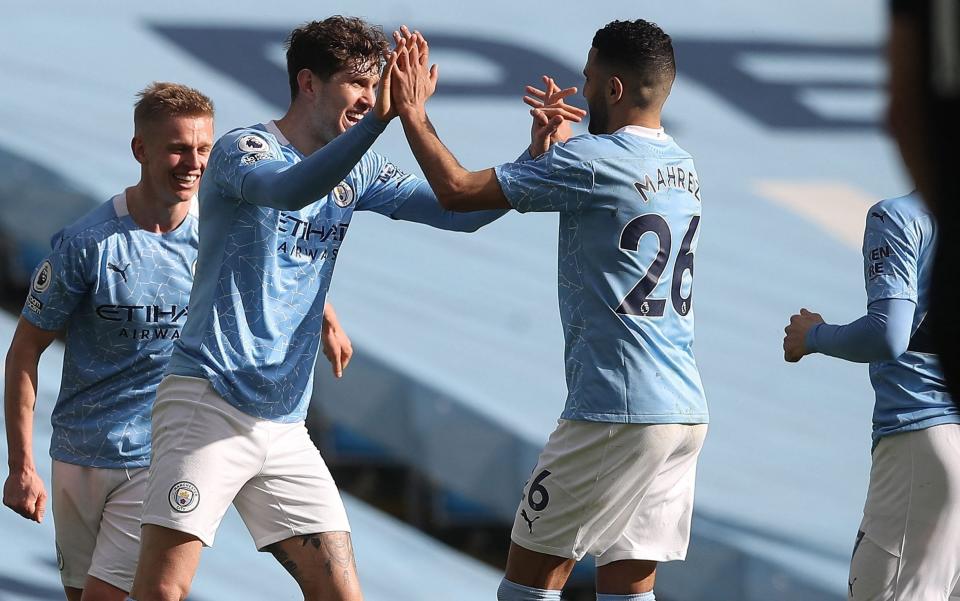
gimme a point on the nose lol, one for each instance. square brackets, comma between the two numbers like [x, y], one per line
[369, 97]
[193, 159]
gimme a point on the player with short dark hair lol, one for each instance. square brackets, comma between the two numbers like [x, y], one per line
[616, 478]
[229, 417]
[906, 548]
[117, 283]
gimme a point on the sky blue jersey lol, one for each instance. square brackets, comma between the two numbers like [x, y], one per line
[263, 273]
[629, 205]
[898, 253]
[120, 293]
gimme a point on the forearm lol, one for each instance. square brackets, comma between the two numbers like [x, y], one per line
[19, 404]
[449, 180]
[293, 187]
[883, 333]
[422, 206]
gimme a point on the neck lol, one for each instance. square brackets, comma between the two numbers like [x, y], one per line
[295, 126]
[151, 214]
[648, 119]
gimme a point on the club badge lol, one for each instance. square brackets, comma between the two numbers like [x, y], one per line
[184, 496]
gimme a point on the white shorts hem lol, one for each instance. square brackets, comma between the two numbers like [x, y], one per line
[112, 580]
[165, 522]
[529, 546]
[648, 554]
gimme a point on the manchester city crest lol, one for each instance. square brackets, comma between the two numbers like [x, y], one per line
[343, 195]
[184, 496]
[42, 280]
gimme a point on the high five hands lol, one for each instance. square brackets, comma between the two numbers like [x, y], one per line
[410, 83]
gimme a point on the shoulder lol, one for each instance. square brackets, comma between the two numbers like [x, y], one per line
[91, 227]
[900, 212]
[247, 139]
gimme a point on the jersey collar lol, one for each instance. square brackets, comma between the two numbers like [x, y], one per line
[271, 127]
[644, 132]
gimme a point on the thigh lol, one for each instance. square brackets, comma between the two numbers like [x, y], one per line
[588, 482]
[114, 559]
[167, 564]
[873, 571]
[78, 499]
[930, 561]
[204, 451]
[911, 520]
[656, 526]
[294, 493]
[322, 564]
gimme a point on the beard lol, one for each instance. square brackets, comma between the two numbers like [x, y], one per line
[599, 118]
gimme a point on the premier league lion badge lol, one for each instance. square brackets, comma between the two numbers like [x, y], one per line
[343, 195]
[42, 280]
[184, 497]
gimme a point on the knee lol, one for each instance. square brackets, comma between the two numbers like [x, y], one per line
[160, 591]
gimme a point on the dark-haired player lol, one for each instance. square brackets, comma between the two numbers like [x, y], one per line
[616, 478]
[277, 202]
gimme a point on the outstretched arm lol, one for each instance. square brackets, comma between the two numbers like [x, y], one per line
[456, 188]
[422, 206]
[23, 490]
[883, 333]
[286, 187]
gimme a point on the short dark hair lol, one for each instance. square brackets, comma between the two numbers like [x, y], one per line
[162, 99]
[335, 43]
[639, 46]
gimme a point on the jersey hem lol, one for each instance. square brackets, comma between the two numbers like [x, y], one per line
[641, 418]
[924, 424]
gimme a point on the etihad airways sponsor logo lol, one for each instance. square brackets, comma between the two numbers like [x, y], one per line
[142, 313]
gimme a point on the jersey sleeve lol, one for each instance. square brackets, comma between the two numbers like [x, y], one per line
[237, 154]
[385, 186]
[557, 181]
[59, 283]
[891, 251]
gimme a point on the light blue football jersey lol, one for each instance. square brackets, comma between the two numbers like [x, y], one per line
[629, 205]
[263, 274]
[898, 252]
[121, 294]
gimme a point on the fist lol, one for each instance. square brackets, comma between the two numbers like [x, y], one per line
[795, 341]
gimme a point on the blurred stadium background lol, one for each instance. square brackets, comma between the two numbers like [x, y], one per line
[458, 373]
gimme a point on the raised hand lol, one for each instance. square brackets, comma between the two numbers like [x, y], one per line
[551, 115]
[412, 83]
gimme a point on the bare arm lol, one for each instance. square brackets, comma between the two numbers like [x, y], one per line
[23, 490]
[456, 188]
[336, 344]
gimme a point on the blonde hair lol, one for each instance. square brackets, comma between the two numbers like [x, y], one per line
[163, 99]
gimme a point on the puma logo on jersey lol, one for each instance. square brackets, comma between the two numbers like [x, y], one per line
[526, 518]
[880, 216]
[122, 272]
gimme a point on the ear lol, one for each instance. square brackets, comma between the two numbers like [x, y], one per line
[615, 89]
[305, 82]
[137, 147]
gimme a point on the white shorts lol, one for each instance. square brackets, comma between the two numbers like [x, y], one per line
[96, 516]
[207, 454]
[908, 547]
[616, 491]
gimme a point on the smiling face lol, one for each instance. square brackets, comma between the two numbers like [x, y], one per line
[342, 100]
[173, 153]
